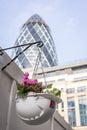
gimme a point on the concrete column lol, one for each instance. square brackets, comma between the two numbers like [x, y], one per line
[65, 108]
[77, 111]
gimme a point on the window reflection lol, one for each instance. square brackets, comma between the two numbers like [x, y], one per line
[71, 111]
[83, 110]
[70, 90]
[81, 89]
[33, 31]
[70, 102]
[72, 117]
[37, 38]
[30, 26]
[26, 63]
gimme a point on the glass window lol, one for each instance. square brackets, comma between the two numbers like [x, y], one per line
[18, 51]
[28, 38]
[32, 40]
[80, 78]
[37, 38]
[80, 69]
[48, 30]
[52, 53]
[44, 39]
[83, 110]
[30, 26]
[50, 41]
[23, 29]
[24, 42]
[55, 61]
[33, 31]
[50, 60]
[71, 111]
[47, 35]
[62, 105]
[40, 33]
[25, 33]
[44, 50]
[43, 28]
[48, 45]
[70, 90]
[36, 26]
[70, 102]
[72, 117]
[25, 63]
[81, 89]
[45, 63]
[20, 57]
[21, 38]
[49, 74]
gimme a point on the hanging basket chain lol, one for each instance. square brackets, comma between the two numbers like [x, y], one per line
[36, 67]
[40, 59]
[39, 62]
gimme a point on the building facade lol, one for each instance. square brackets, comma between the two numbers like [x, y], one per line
[33, 30]
[71, 79]
[9, 119]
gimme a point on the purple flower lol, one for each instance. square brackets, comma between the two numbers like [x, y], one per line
[33, 81]
[26, 75]
[25, 78]
[25, 81]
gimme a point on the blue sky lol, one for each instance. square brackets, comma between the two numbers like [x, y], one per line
[67, 20]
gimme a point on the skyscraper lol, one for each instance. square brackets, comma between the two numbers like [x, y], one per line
[35, 29]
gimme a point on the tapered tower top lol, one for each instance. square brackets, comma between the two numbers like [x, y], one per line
[35, 18]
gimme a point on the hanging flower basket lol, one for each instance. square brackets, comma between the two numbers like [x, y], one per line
[36, 103]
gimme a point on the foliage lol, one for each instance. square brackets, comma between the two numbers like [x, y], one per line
[32, 85]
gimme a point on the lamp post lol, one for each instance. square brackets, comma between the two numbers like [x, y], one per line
[39, 44]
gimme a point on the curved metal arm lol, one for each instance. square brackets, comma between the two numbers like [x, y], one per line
[39, 44]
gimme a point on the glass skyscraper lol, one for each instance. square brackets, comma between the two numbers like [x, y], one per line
[35, 29]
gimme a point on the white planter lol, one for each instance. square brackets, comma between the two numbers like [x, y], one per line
[36, 108]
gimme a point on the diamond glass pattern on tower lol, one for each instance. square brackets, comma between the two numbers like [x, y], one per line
[35, 29]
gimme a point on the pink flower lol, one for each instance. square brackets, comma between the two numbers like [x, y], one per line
[33, 81]
[25, 78]
[26, 75]
[25, 81]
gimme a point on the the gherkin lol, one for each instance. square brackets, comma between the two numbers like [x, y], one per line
[35, 29]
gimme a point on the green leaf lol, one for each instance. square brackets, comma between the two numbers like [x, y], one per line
[56, 92]
[49, 86]
[18, 87]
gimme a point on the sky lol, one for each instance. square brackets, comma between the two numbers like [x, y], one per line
[67, 20]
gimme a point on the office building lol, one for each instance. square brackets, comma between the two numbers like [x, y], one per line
[35, 29]
[71, 79]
